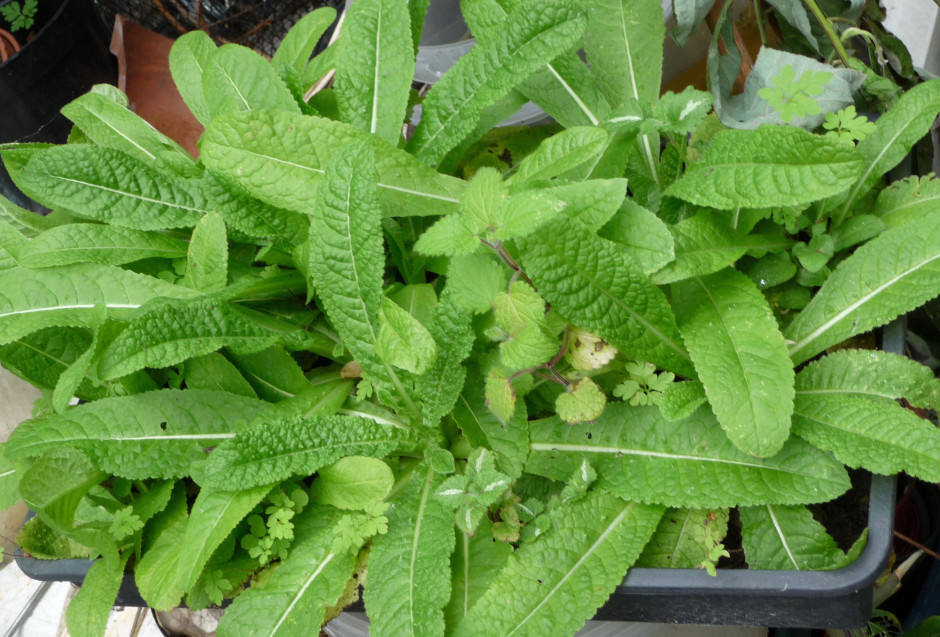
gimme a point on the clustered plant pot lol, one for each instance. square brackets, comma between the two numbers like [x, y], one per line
[66, 57]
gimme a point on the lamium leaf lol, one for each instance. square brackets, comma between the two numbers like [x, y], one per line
[740, 356]
[169, 333]
[151, 435]
[107, 185]
[375, 68]
[684, 538]
[189, 57]
[641, 456]
[600, 288]
[592, 542]
[68, 296]
[273, 450]
[301, 589]
[908, 199]
[97, 243]
[558, 154]
[771, 166]
[884, 438]
[409, 575]
[263, 149]
[108, 123]
[519, 47]
[898, 130]
[239, 79]
[300, 41]
[788, 538]
[893, 273]
[872, 374]
[475, 280]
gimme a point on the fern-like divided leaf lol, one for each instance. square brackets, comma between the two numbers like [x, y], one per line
[882, 437]
[31, 300]
[893, 273]
[640, 456]
[273, 450]
[152, 435]
[574, 566]
[409, 578]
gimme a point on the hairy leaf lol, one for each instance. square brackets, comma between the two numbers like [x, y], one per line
[771, 166]
[239, 79]
[409, 579]
[299, 42]
[559, 153]
[402, 340]
[353, 483]
[42, 357]
[893, 273]
[599, 287]
[640, 456]
[684, 538]
[740, 356]
[375, 67]
[439, 388]
[273, 450]
[189, 58]
[907, 200]
[592, 542]
[519, 47]
[207, 258]
[642, 234]
[96, 243]
[155, 573]
[68, 296]
[475, 563]
[154, 434]
[88, 612]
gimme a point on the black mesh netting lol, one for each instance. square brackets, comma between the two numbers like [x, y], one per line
[258, 24]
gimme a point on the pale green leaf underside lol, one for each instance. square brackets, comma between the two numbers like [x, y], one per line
[409, 578]
[150, 435]
[893, 273]
[684, 538]
[640, 456]
[574, 566]
[772, 166]
[96, 243]
[297, 46]
[787, 538]
[882, 437]
[31, 300]
[273, 450]
[597, 286]
[740, 357]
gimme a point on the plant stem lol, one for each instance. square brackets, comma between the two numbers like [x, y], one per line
[830, 32]
[760, 23]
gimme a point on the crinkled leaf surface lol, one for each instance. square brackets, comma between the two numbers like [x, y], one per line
[207, 258]
[439, 388]
[68, 296]
[189, 57]
[403, 341]
[155, 574]
[255, 218]
[154, 434]
[893, 273]
[96, 243]
[771, 166]
[740, 357]
[684, 538]
[599, 287]
[273, 450]
[559, 153]
[215, 372]
[574, 566]
[788, 538]
[409, 578]
[475, 563]
[680, 400]
[882, 437]
[642, 234]
[239, 79]
[108, 185]
[641, 456]
[88, 612]
[908, 199]
[375, 67]
[297, 46]
[593, 202]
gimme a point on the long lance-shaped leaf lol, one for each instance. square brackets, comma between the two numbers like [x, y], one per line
[151, 435]
[347, 262]
[882, 437]
[908, 199]
[597, 286]
[574, 566]
[273, 450]
[189, 58]
[476, 562]
[409, 578]
[880, 376]
[96, 243]
[68, 296]
[518, 48]
[440, 387]
[624, 46]
[684, 538]
[893, 273]
[564, 87]
[9, 480]
[303, 586]
[171, 333]
[239, 79]
[88, 613]
[297, 46]
[641, 456]
[770, 166]
[155, 573]
[107, 185]
[262, 150]
[898, 130]
[788, 538]
[376, 67]
[559, 153]
[740, 356]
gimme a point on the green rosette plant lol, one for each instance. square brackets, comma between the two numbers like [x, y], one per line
[481, 371]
